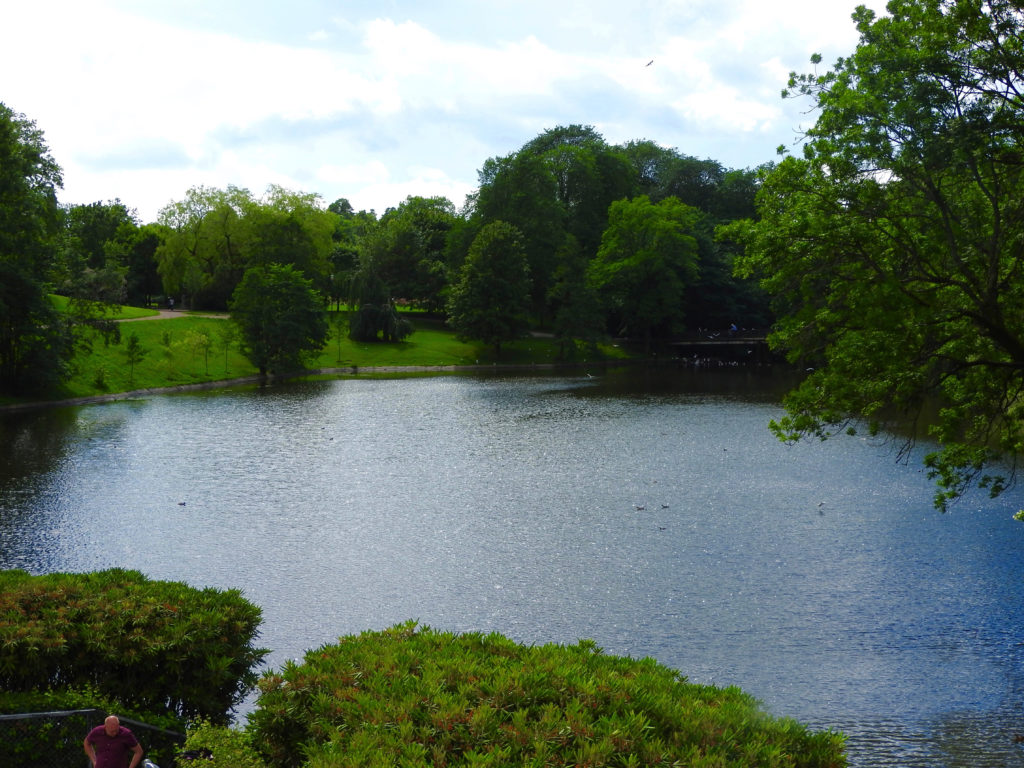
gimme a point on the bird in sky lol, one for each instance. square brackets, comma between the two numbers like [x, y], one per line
[649, 63]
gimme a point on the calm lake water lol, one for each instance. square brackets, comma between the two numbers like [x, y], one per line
[650, 511]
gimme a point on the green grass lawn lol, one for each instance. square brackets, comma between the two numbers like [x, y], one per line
[191, 349]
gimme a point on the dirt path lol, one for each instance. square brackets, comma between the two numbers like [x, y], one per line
[166, 314]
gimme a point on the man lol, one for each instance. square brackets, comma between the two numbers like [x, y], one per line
[108, 745]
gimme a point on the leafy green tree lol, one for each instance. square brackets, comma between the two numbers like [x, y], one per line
[142, 280]
[207, 246]
[490, 302]
[893, 245]
[577, 310]
[93, 233]
[35, 341]
[407, 250]
[350, 230]
[287, 227]
[590, 175]
[522, 190]
[227, 338]
[648, 256]
[372, 312]
[134, 353]
[280, 317]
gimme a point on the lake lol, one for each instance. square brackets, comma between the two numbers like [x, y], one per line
[649, 510]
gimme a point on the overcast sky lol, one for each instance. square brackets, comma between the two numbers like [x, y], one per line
[374, 101]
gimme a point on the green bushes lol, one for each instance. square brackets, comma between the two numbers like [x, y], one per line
[416, 697]
[152, 645]
[218, 746]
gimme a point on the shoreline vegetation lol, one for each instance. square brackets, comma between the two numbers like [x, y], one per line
[183, 351]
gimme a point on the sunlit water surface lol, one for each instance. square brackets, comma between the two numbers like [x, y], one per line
[651, 512]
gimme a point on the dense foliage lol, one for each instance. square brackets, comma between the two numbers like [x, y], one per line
[153, 645]
[647, 258]
[557, 191]
[417, 697]
[213, 236]
[893, 245]
[280, 317]
[218, 746]
[490, 300]
[35, 342]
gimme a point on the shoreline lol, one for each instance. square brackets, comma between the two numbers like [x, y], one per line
[353, 370]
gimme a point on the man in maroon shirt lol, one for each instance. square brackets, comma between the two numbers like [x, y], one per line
[108, 745]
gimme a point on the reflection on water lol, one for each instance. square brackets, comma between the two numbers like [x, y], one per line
[653, 513]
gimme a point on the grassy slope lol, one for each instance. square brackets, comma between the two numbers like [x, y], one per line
[174, 358]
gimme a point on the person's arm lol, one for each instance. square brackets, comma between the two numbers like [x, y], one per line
[87, 746]
[136, 756]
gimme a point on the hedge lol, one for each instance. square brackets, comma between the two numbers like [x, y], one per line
[412, 696]
[155, 646]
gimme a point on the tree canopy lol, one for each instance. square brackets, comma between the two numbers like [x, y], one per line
[647, 257]
[214, 235]
[490, 301]
[280, 315]
[35, 341]
[892, 246]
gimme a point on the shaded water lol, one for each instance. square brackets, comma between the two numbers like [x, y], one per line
[816, 577]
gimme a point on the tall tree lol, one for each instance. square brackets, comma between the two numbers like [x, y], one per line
[893, 245]
[207, 245]
[407, 250]
[522, 190]
[287, 227]
[577, 311]
[648, 255]
[490, 301]
[280, 316]
[35, 343]
[350, 229]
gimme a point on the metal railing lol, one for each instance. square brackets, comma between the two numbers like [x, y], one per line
[54, 739]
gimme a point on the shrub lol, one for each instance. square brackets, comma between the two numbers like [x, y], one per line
[416, 697]
[217, 746]
[155, 645]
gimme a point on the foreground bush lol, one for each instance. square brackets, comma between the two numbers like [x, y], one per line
[153, 645]
[217, 746]
[416, 697]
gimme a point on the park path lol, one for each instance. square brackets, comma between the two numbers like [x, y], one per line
[164, 314]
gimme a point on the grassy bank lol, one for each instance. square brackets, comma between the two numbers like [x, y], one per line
[196, 349]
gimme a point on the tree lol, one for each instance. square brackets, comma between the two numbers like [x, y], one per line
[577, 311]
[491, 299]
[372, 312]
[407, 250]
[35, 341]
[522, 191]
[142, 281]
[350, 229]
[280, 317]
[647, 257]
[893, 245]
[134, 353]
[205, 252]
[288, 227]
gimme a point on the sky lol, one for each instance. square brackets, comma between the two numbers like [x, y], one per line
[141, 100]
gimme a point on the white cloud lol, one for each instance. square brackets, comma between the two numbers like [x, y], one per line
[388, 102]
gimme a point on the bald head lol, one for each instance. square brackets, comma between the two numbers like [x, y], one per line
[111, 725]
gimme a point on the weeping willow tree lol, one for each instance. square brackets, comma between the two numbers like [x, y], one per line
[374, 316]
